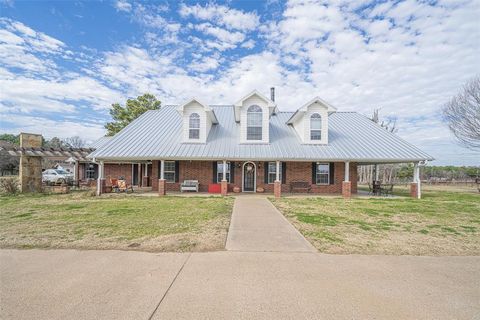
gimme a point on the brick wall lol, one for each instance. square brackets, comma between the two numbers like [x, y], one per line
[296, 171]
[115, 171]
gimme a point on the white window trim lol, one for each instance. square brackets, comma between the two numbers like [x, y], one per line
[190, 128]
[274, 172]
[229, 169]
[256, 126]
[319, 118]
[317, 174]
[169, 171]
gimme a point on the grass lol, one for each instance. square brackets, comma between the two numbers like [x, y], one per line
[442, 223]
[77, 220]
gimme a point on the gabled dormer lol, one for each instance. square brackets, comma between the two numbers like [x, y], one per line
[197, 120]
[311, 121]
[253, 113]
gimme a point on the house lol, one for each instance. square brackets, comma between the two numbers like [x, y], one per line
[251, 146]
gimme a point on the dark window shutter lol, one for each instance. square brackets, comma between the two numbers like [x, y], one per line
[95, 174]
[332, 172]
[265, 172]
[314, 173]
[284, 172]
[159, 168]
[232, 172]
[214, 178]
[177, 171]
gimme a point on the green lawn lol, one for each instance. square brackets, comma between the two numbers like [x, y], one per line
[78, 220]
[442, 223]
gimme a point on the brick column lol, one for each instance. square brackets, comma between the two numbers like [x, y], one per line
[414, 190]
[224, 187]
[277, 189]
[30, 170]
[347, 189]
[162, 185]
[103, 184]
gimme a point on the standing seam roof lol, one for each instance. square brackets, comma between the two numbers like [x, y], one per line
[157, 134]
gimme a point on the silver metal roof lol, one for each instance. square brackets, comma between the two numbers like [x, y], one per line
[100, 142]
[158, 135]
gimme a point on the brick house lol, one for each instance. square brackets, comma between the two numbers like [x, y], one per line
[250, 146]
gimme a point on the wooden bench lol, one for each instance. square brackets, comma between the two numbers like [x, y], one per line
[189, 185]
[300, 186]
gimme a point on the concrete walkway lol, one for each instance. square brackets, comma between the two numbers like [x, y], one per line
[70, 284]
[257, 225]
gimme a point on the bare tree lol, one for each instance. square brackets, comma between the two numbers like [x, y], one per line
[462, 113]
[75, 142]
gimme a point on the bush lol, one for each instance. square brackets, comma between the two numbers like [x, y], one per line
[9, 186]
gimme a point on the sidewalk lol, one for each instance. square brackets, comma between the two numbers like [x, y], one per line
[257, 225]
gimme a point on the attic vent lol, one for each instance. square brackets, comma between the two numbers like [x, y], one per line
[272, 94]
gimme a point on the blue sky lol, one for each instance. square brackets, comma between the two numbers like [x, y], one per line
[63, 63]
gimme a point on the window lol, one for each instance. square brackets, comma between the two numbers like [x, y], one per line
[220, 171]
[194, 126]
[323, 173]
[316, 127]
[254, 123]
[272, 172]
[89, 171]
[169, 171]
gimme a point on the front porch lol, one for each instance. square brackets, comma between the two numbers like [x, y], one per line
[234, 177]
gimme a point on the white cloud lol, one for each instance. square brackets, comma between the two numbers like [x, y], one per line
[249, 44]
[229, 38]
[123, 5]
[52, 128]
[222, 15]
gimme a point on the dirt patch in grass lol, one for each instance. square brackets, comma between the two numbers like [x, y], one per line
[442, 223]
[125, 222]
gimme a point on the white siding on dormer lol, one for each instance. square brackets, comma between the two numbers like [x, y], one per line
[255, 100]
[302, 125]
[321, 110]
[205, 123]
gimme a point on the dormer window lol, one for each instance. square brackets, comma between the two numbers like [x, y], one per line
[194, 126]
[316, 127]
[254, 123]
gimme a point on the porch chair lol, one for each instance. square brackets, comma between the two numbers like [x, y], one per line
[189, 185]
[387, 190]
[123, 186]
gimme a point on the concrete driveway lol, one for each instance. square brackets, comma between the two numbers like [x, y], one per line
[69, 284]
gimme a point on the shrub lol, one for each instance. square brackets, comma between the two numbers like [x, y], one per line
[9, 186]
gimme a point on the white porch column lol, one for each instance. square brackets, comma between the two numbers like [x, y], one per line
[377, 172]
[224, 173]
[347, 171]
[146, 170]
[162, 169]
[416, 178]
[277, 172]
[100, 178]
[75, 168]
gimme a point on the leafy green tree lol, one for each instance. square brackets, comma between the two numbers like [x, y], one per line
[134, 108]
[12, 138]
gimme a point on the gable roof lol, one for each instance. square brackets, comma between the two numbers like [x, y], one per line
[271, 104]
[208, 110]
[100, 142]
[304, 109]
[157, 134]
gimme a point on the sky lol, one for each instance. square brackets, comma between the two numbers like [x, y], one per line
[63, 63]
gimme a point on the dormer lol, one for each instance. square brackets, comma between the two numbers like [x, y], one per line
[198, 119]
[253, 112]
[311, 121]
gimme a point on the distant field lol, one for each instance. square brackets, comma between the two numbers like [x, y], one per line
[77, 220]
[442, 223]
